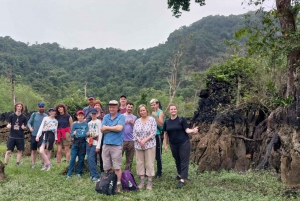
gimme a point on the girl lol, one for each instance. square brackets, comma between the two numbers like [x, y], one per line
[46, 137]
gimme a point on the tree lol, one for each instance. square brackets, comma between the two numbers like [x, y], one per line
[287, 12]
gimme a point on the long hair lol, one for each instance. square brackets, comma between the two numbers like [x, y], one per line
[19, 103]
[63, 106]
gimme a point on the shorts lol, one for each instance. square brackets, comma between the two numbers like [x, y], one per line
[48, 139]
[12, 143]
[112, 157]
[65, 142]
[33, 143]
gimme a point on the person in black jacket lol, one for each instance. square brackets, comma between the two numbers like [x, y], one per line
[176, 132]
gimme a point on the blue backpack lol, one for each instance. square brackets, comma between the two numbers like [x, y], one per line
[128, 182]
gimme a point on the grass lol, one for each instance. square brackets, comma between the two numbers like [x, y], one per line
[22, 183]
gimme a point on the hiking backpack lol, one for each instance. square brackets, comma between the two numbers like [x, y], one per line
[107, 184]
[128, 182]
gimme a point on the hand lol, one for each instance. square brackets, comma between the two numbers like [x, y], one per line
[23, 127]
[8, 126]
[74, 133]
[154, 114]
[97, 150]
[195, 130]
[166, 148]
[130, 121]
[37, 139]
[142, 143]
[88, 134]
[31, 129]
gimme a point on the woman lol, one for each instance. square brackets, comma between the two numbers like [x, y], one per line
[46, 137]
[100, 112]
[176, 131]
[144, 132]
[65, 122]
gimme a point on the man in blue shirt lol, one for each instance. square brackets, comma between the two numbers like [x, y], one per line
[88, 108]
[33, 124]
[112, 129]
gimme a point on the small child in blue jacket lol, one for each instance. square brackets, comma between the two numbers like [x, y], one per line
[79, 133]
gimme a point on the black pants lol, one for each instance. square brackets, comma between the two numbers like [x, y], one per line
[181, 154]
[100, 156]
[158, 153]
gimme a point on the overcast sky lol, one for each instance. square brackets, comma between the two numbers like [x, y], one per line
[123, 24]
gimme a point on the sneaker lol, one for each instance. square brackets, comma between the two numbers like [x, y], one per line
[17, 164]
[48, 167]
[78, 176]
[44, 168]
[118, 189]
[94, 179]
[32, 166]
[42, 165]
[180, 184]
[68, 177]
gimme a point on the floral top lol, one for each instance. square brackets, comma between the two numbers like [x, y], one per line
[142, 131]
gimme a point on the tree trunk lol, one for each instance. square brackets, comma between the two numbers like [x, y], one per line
[288, 27]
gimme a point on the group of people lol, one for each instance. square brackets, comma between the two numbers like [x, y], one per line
[110, 135]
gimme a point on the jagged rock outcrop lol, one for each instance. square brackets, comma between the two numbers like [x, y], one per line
[245, 136]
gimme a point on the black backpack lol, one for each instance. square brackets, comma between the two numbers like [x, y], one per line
[107, 184]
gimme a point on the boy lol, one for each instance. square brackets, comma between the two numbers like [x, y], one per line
[79, 132]
[94, 137]
[17, 124]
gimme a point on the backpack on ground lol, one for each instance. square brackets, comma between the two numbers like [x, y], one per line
[107, 184]
[128, 182]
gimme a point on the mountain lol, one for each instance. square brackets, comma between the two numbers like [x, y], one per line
[55, 72]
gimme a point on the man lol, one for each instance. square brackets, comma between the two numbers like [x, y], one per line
[87, 109]
[128, 141]
[112, 129]
[16, 124]
[158, 115]
[123, 101]
[33, 124]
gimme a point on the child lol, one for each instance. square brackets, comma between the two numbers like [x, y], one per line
[46, 137]
[94, 136]
[79, 132]
[16, 124]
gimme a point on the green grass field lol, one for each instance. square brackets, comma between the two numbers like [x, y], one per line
[22, 183]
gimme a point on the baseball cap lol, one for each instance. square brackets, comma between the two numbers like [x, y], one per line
[93, 111]
[91, 96]
[51, 109]
[41, 104]
[113, 102]
[80, 112]
[123, 96]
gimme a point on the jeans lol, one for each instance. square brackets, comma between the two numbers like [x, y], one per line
[77, 150]
[90, 151]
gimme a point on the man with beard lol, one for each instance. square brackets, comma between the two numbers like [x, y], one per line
[33, 124]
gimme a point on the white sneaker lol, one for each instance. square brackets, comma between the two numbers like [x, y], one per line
[48, 167]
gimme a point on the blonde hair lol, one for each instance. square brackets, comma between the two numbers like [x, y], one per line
[143, 105]
[19, 103]
[153, 100]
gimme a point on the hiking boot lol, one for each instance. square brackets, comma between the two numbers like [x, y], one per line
[78, 176]
[17, 164]
[180, 184]
[141, 186]
[32, 166]
[42, 165]
[149, 185]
